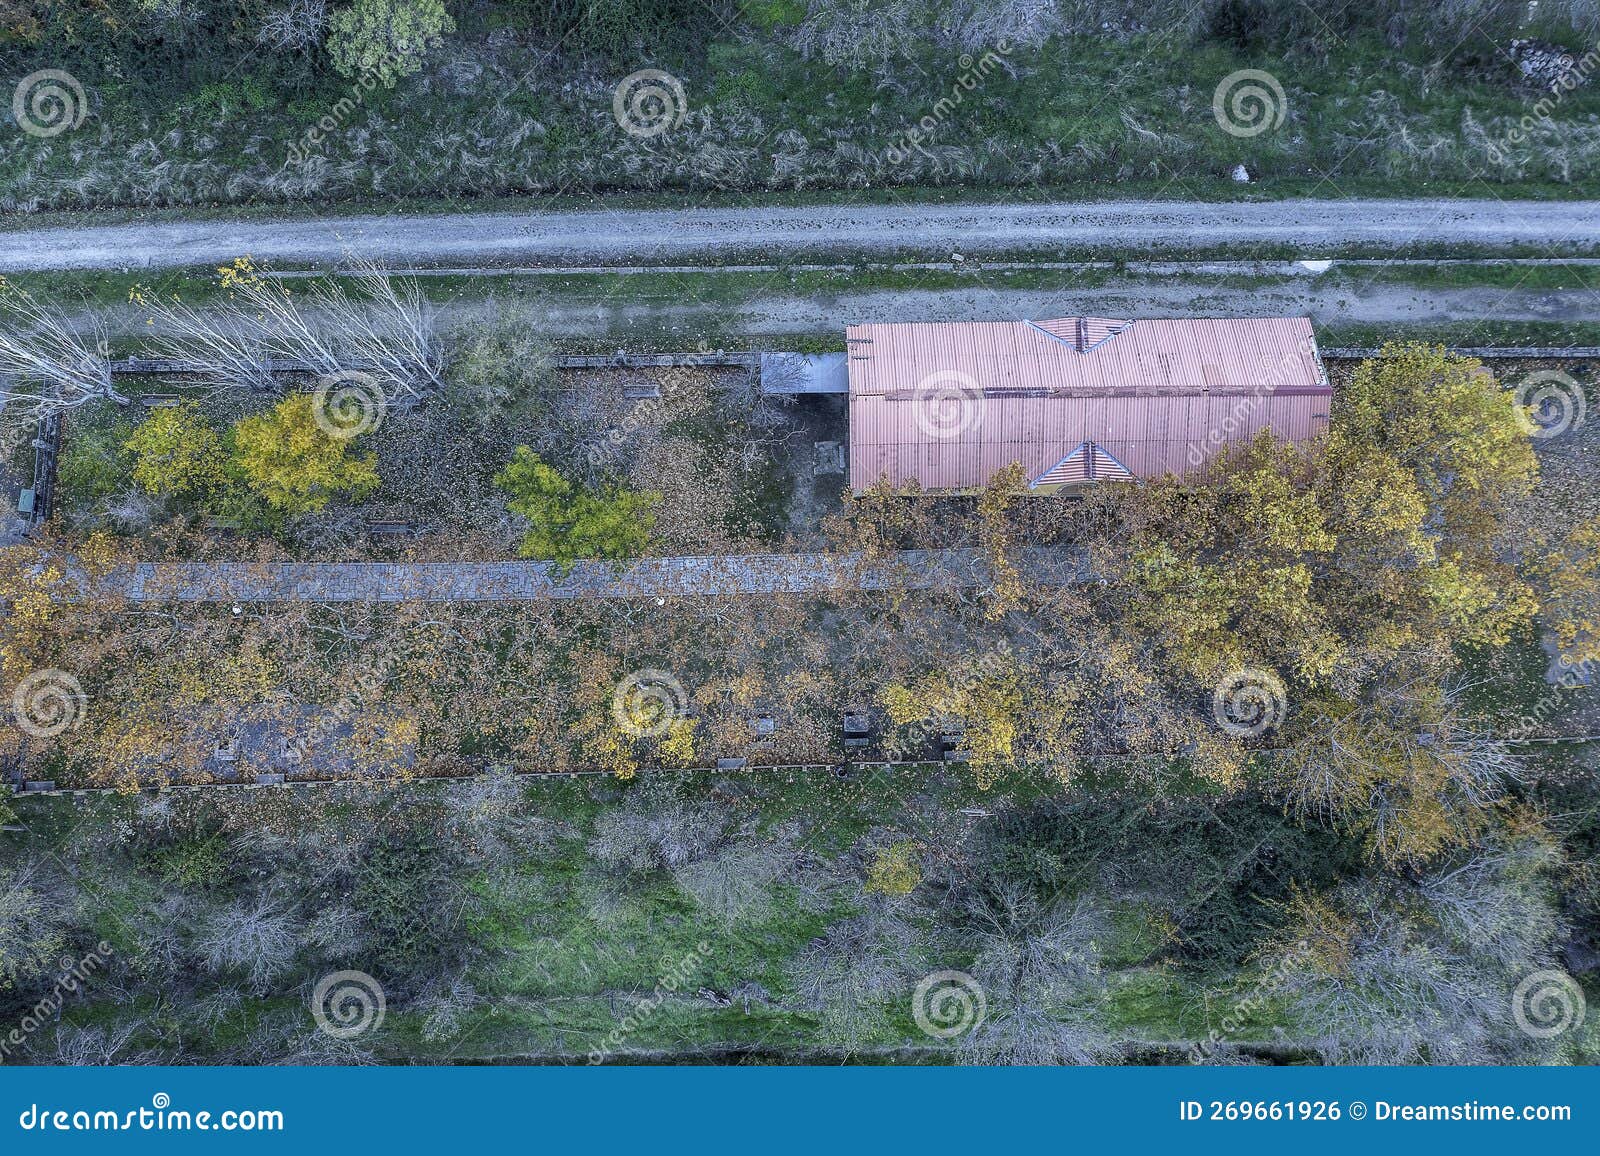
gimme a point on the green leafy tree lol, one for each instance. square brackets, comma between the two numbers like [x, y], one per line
[290, 462]
[95, 463]
[386, 39]
[177, 453]
[570, 523]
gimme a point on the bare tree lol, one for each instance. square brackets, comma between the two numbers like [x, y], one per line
[294, 26]
[1373, 977]
[380, 328]
[735, 885]
[257, 939]
[1496, 904]
[385, 328]
[491, 814]
[1039, 966]
[445, 1003]
[31, 930]
[48, 363]
[101, 1046]
[655, 829]
[223, 348]
[863, 964]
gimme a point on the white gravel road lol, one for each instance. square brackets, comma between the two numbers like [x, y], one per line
[636, 236]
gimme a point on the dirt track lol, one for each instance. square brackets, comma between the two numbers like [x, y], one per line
[781, 313]
[708, 235]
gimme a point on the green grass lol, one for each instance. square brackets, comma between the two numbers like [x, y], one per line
[1094, 117]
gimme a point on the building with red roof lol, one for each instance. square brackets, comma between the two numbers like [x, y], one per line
[1076, 400]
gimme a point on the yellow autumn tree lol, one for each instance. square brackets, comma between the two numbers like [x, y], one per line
[1006, 713]
[294, 464]
[176, 452]
[1428, 457]
[1222, 575]
[1404, 771]
[994, 530]
[1571, 573]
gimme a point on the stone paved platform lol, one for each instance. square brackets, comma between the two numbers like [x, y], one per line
[752, 574]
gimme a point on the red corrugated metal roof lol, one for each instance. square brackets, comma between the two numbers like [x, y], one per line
[947, 405]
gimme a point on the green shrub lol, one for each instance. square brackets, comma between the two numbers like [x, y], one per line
[569, 523]
[94, 465]
[214, 101]
[616, 28]
[767, 14]
[386, 39]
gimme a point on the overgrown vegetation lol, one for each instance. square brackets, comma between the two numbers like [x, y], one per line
[1261, 761]
[509, 920]
[187, 105]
